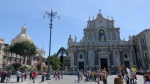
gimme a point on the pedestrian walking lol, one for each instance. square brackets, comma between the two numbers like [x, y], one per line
[34, 75]
[78, 76]
[18, 75]
[97, 74]
[3, 76]
[43, 77]
[58, 75]
[22, 76]
[55, 75]
[127, 79]
[25, 75]
[30, 76]
[81, 74]
[9, 73]
[104, 77]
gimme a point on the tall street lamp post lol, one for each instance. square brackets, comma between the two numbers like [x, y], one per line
[50, 15]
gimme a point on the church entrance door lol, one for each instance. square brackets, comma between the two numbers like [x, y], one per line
[127, 64]
[104, 63]
[81, 65]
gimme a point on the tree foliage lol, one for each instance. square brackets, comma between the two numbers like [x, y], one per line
[54, 61]
[9, 67]
[23, 48]
[24, 67]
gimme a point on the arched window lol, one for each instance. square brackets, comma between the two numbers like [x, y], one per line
[126, 56]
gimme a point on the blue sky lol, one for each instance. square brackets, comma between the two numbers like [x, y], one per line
[131, 16]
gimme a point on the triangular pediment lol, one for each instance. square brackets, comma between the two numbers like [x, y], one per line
[104, 52]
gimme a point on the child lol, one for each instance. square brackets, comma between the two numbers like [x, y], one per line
[22, 76]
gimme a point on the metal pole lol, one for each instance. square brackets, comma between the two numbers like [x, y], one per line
[51, 16]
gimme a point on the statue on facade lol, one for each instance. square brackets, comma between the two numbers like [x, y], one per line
[101, 36]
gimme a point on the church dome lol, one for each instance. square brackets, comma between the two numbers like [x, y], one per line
[22, 36]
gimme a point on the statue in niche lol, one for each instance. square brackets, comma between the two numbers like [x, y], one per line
[101, 36]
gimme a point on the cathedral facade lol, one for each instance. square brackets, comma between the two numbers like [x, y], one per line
[101, 47]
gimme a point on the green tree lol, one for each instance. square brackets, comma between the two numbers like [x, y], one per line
[54, 61]
[24, 48]
[12, 50]
[9, 67]
[62, 52]
[25, 67]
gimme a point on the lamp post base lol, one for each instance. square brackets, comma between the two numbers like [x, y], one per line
[48, 76]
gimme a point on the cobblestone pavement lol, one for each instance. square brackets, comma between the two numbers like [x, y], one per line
[67, 79]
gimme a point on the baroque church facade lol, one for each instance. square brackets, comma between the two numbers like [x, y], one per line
[101, 47]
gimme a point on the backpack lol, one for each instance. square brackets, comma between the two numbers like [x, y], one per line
[103, 77]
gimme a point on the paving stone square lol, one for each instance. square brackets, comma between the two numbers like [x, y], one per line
[67, 79]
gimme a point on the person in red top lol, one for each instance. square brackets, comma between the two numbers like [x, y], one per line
[34, 74]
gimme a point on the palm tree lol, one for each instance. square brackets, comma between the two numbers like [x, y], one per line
[62, 52]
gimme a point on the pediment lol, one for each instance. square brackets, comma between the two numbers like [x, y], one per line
[104, 52]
